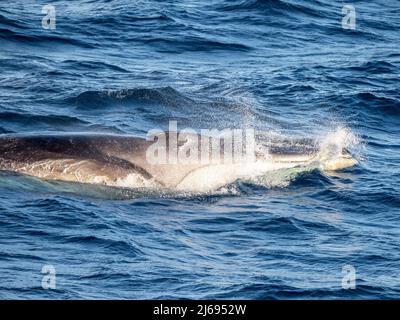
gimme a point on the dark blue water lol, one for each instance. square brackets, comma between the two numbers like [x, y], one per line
[285, 67]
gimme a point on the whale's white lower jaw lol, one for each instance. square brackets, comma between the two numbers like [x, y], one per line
[213, 177]
[340, 163]
[331, 159]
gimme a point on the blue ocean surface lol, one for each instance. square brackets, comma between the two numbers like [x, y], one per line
[289, 68]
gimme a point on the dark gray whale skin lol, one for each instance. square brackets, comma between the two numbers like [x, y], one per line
[102, 149]
[112, 157]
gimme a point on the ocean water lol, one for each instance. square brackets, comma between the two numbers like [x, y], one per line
[285, 67]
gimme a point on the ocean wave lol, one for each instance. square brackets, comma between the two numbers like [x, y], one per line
[165, 96]
[378, 103]
[92, 65]
[314, 9]
[5, 131]
[376, 67]
[42, 39]
[192, 43]
[122, 17]
[14, 23]
[272, 288]
[116, 246]
[43, 119]
[17, 122]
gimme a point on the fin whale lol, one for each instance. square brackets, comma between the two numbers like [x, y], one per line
[121, 161]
